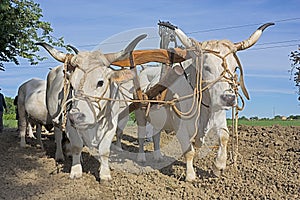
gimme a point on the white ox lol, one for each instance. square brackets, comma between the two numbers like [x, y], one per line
[91, 118]
[218, 63]
[32, 109]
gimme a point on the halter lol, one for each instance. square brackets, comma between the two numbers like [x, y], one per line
[78, 95]
[232, 80]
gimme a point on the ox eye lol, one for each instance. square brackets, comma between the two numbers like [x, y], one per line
[100, 84]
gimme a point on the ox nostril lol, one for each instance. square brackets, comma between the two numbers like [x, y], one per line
[229, 99]
[80, 116]
[77, 117]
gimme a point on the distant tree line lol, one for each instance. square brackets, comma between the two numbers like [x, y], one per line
[277, 117]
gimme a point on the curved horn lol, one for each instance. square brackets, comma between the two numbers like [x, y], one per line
[113, 57]
[58, 55]
[73, 48]
[253, 38]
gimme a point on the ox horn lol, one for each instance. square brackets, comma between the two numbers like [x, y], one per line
[58, 55]
[252, 39]
[113, 57]
[73, 48]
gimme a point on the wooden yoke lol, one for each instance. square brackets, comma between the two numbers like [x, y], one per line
[139, 57]
[154, 55]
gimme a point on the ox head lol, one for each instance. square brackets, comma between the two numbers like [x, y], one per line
[219, 63]
[92, 81]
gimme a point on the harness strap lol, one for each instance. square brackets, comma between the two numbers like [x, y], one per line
[66, 91]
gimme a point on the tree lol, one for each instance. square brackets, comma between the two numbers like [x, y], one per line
[20, 28]
[295, 59]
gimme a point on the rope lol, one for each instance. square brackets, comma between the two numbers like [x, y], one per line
[66, 92]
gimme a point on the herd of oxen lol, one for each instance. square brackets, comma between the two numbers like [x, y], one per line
[88, 101]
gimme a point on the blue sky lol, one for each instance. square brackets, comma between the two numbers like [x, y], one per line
[90, 24]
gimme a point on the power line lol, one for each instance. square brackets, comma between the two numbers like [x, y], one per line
[252, 49]
[210, 30]
[272, 47]
[201, 31]
[285, 41]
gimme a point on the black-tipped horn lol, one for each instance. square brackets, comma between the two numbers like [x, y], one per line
[58, 55]
[253, 38]
[266, 25]
[73, 48]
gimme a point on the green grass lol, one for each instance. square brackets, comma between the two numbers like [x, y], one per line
[13, 123]
[10, 123]
[266, 122]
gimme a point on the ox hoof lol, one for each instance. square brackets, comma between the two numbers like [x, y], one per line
[216, 171]
[60, 160]
[105, 178]
[76, 171]
[23, 145]
[59, 157]
[190, 177]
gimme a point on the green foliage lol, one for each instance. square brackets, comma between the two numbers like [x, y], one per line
[277, 117]
[9, 118]
[11, 107]
[132, 116]
[10, 123]
[243, 118]
[295, 68]
[20, 28]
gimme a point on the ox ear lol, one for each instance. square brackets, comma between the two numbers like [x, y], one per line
[122, 76]
[113, 57]
[76, 51]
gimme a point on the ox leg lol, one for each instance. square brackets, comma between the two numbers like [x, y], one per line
[220, 163]
[156, 141]
[30, 132]
[76, 144]
[22, 123]
[189, 157]
[39, 135]
[189, 153]
[119, 133]
[59, 156]
[141, 122]
[76, 169]
[104, 151]
[141, 157]
[22, 129]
